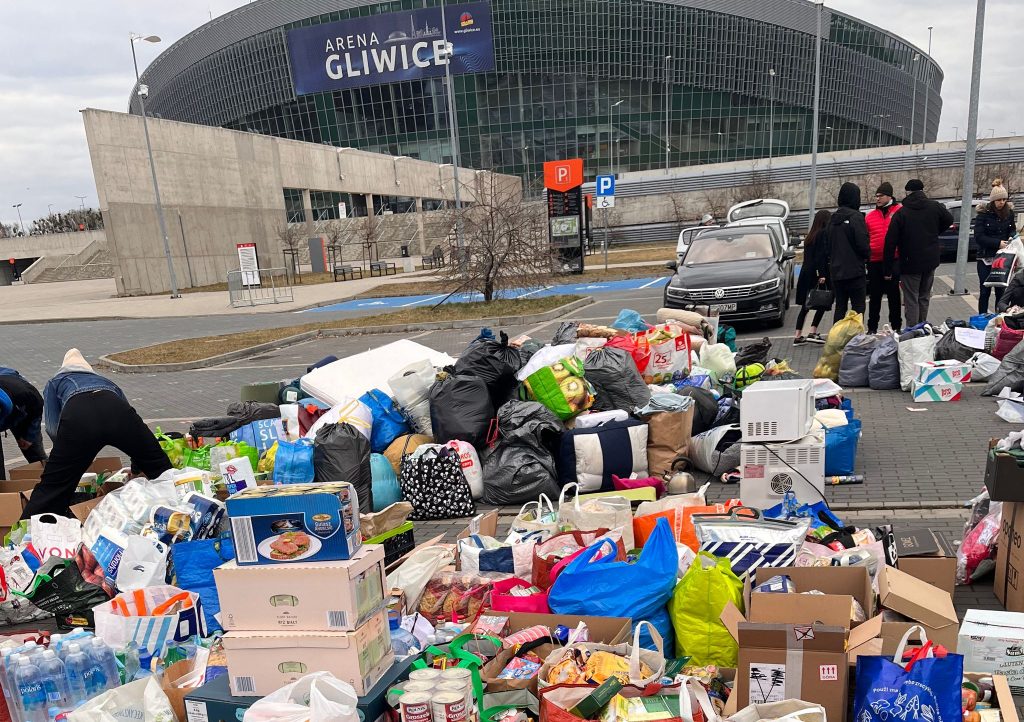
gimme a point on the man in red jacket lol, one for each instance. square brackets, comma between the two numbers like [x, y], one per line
[878, 286]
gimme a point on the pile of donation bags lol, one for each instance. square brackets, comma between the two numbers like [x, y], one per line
[278, 557]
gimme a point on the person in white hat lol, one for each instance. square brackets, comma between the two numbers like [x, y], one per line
[707, 220]
[83, 413]
[994, 226]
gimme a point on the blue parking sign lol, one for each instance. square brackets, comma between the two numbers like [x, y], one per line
[605, 185]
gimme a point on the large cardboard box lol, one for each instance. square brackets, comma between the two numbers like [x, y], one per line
[790, 661]
[929, 556]
[993, 642]
[1003, 478]
[1008, 585]
[841, 585]
[34, 471]
[12, 503]
[261, 662]
[923, 393]
[310, 596]
[1004, 700]
[922, 603]
[949, 371]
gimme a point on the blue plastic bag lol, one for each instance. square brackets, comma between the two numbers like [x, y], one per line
[603, 587]
[260, 434]
[193, 564]
[886, 692]
[385, 488]
[980, 321]
[630, 320]
[847, 407]
[388, 422]
[293, 463]
[841, 448]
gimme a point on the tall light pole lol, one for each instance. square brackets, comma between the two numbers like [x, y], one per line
[21, 223]
[721, 145]
[881, 117]
[913, 102]
[611, 133]
[771, 115]
[927, 88]
[141, 92]
[81, 199]
[668, 102]
[49, 209]
[812, 192]
[970, 154]
[453, 125]
[956, 132]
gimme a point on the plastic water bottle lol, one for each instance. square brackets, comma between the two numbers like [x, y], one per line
[129, 659]
[108, 663]
[55, 683]
[9, 658]
[56, 714]
[402, 641]
[76, 666]
[31, 694]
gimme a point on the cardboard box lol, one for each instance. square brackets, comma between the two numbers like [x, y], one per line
[942, 372]
[788, 661]
[107, 464]
[324, 516]
[1008, 586]
[929, 556]
[213, 702]
[1004, 698]
[993, 642]
[307, 596]
[1004, 479]
[12, 503]
[924, 393]
[922, 603]
[261, 662]
[840, 585]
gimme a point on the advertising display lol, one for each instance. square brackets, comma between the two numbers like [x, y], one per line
[390, 48]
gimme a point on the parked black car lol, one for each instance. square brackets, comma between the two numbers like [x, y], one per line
[741, 271]
[950, 238]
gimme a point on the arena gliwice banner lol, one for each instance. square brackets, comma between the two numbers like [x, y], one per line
[390, 48]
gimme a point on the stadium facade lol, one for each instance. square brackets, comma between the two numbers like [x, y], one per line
[538, 80]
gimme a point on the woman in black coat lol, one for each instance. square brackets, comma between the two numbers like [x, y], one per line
[994, 226]
[813, 272]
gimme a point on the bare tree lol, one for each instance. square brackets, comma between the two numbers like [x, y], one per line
[290, 235]
[716, 201]
[505, 241]
[680, 214]
[760, 187]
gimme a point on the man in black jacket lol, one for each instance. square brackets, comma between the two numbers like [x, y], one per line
[914, 232]
[25, 418]
[848, 252]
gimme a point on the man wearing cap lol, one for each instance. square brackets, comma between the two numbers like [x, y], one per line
[913, 235]
[83, 413]
[878, 224]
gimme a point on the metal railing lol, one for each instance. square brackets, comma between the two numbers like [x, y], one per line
[273, 287]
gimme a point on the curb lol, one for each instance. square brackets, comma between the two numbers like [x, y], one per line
[107, 363]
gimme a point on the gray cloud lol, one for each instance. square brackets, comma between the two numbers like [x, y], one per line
[57, 59]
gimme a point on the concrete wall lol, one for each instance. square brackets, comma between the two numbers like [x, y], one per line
[223, 187]
[48, 244]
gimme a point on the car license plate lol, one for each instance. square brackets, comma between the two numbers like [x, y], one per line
[726, 307]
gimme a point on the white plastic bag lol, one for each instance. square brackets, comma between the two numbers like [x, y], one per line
[471, 468]
[416, 571]
[317, 697]
[596, 418]
[348, 411]
[1011, 411]
[982, 366]
[142, 700]
[546, 357]
[718, 359]
[913, 351]
[290, 419]
[55, 536]
[143, 564]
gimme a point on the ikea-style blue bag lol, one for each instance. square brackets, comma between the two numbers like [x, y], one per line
[930, 691]
[293, 463]
[384, 488]
[193, 564]
[841, 448]
[388, 421]
[260, 434]
[847, 408]
[602, 587]
[980, 321]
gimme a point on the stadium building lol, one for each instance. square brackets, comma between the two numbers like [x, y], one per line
[538, 80]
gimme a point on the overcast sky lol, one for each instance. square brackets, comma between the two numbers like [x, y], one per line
[57, 58]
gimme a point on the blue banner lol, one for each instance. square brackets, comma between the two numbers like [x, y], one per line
[390, 48]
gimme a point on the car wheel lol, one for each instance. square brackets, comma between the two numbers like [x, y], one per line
[779, 321]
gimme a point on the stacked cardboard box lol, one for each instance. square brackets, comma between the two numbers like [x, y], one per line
[939, 380]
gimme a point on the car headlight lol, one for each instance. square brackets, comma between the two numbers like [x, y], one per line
[766, 286]
[673, 291]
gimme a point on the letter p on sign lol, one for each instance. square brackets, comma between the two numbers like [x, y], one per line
[605, 185]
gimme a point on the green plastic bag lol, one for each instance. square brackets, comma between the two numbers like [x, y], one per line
[241, 448]
[561, 387]
[176, 449]
[696, 608]
[198, 458]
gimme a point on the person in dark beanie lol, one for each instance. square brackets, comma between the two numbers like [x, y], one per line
[993, 228]
[848, 252]
[878, 287]
[913, 235]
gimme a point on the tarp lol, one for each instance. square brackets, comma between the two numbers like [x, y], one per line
[354, 375]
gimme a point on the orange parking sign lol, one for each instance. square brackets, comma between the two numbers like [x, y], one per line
[563, 175]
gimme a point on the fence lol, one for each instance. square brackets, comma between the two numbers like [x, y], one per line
[273, 287]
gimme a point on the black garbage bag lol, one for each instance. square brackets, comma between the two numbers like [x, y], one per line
[528, 349]
[61, 588]
[754, 353]
[522, 464]
[705, 413]
[1010, 373]
[617, 382]
[342, 453]
[949, 349]
[496, 363]
[566, 332]
[461, 408]
[216, 427]
[253, 411]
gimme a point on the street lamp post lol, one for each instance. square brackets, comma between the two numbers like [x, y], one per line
[141, 93]
[927, 87]
[81, 199]
[21, 223]
[721, 147]
[49, 209]
[771, 114]
[611, 135]
[668, 102]
[913, 102]
[956, 132]
[812, 191]
[453, 130]
[880, 117]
